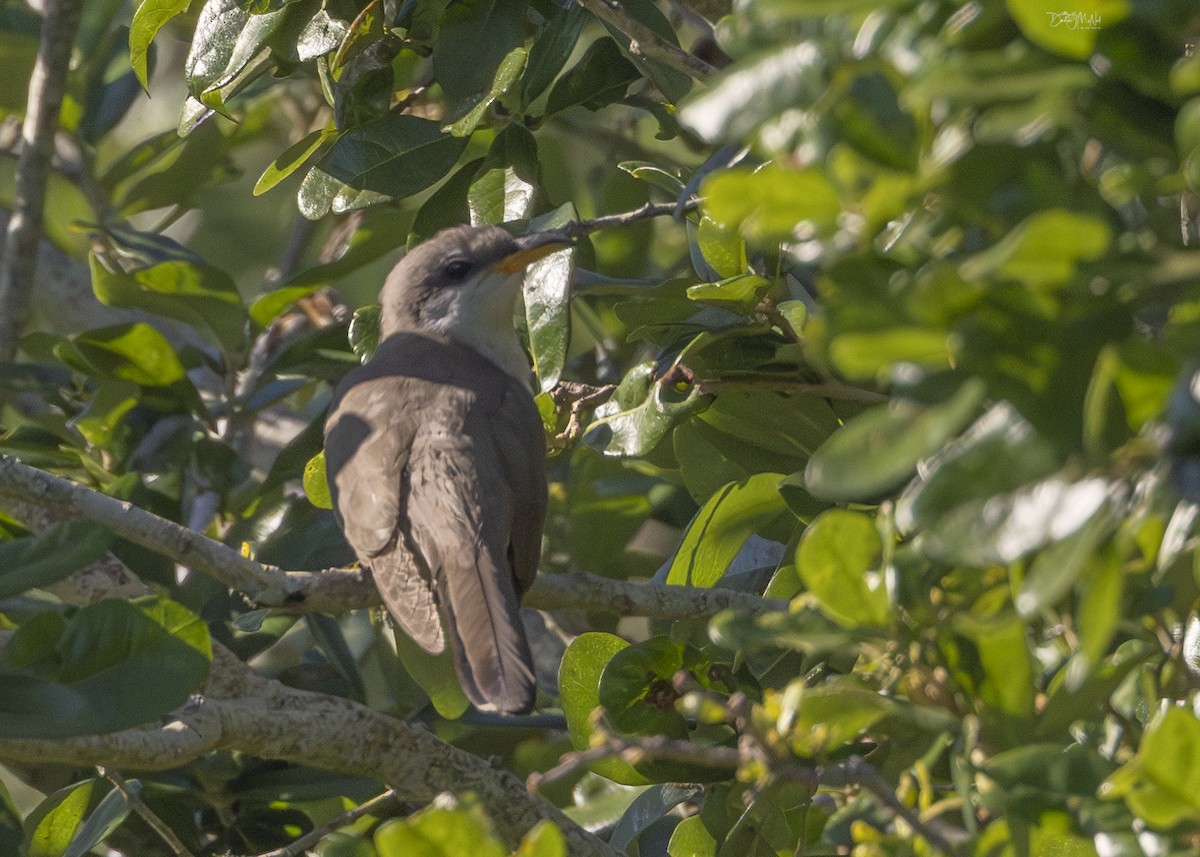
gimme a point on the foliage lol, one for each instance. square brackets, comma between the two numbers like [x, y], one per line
[923, 363]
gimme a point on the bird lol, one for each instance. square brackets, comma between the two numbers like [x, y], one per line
[435, 457]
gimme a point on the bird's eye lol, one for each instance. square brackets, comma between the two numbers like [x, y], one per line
[456, 269]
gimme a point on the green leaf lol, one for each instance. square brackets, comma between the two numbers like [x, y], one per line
[1070, 32]
[1056, 568]
[578, 686]
[506, 186]
[1007, 664]
[547, 294]
[227, 37]
[131, 352]
[149, 18]
[1001, 529]
[600, 78]
[506, 75]
[722, 525]
[392, 157]
[552, 47]
[447, 206]
[474, 38]
[112, 665]
[294, 157]
[544, 839]
[49, 557]
[740, 294]
[435, 674]
[438, 832]
[827, 717]
[636, 691]
[877, 451]
[722, 248]
[754, 90]
[838, 560]
[316, 488]
[198, 294]
[104, 819]
[635, 431]
[691, 838]
[1161, 784]
[771, 203]
[364, 331]
[999, 453]
[1043, 251]
[51, 826]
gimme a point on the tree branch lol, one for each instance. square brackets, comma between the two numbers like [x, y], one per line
[18, 262]
[645, 43]
[336, 590]
[147, 814]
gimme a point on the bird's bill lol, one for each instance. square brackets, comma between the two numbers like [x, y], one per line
[530, 248]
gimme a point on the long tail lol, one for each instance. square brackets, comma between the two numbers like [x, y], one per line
[483, 624]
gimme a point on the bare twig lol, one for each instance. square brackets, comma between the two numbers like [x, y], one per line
[302, 844]
[578, 398]
[823, 390]
[645, 43]
[579, 228]
[18, 264]
[146, 813]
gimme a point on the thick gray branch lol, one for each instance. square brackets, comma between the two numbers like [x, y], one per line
[338, 590]
[18, 262]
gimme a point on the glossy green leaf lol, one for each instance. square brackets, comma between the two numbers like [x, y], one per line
[447, 206]
[637, 429]
[507, 74]
[827, 717]
[547, 293]
[506, 186]
[771, 203]
[838, 560]
[226, 39]
[50, 556]
[722, 248]
[551, 49]
[1161, 784]
[103, 820]
[392, 157]
[879, 450]
[292, 158]
[364, 331]
[473, 40]
[199, 294]
[599, 78]
[636, 688]
[51, 826]
[149, 18]
[131, 352]
[579, 675]
[740, 294]
[722, 525]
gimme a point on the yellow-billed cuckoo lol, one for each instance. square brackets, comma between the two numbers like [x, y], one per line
[435, 456]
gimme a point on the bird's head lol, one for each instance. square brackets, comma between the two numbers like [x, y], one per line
[463, 283]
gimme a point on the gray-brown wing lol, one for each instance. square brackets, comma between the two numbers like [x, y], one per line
[368, 439]
[462, 514]
[520, 440]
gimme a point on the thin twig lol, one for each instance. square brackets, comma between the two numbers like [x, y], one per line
[18, 262]
[299, 846]
[579, 228]
[645, 43]
[146, 813]
[578, 398]
[823, 390]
